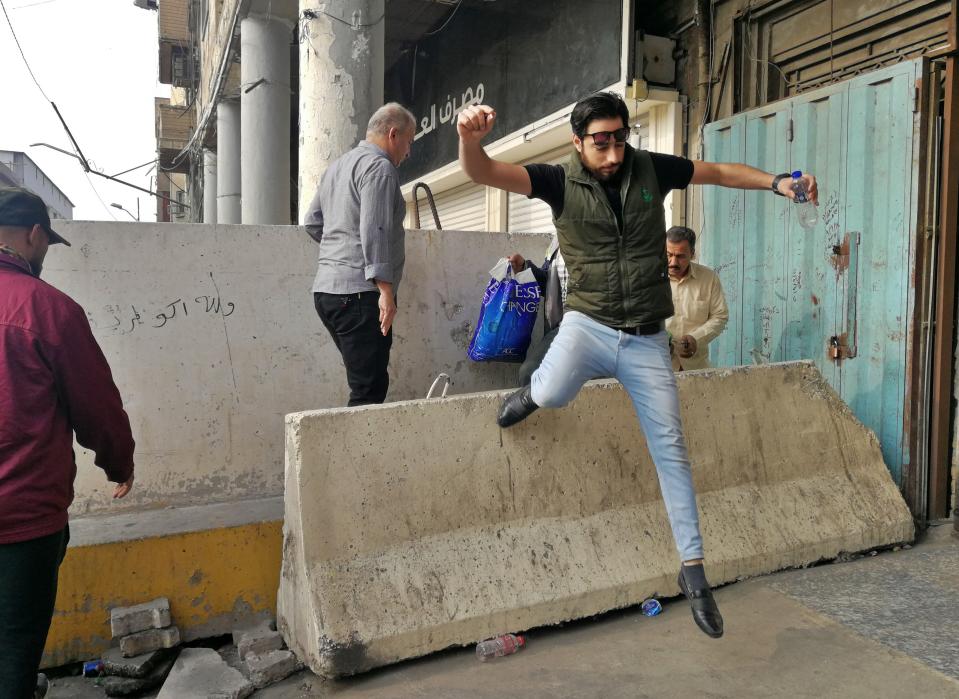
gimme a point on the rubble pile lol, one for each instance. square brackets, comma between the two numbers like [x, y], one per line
[148, 648]
[148, 654]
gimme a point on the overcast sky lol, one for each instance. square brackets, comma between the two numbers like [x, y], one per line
[97, 59]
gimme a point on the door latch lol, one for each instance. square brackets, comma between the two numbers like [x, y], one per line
[839, 348]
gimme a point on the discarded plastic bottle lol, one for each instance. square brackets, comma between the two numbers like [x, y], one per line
[805, 210]
[651, 607]
[501, 645]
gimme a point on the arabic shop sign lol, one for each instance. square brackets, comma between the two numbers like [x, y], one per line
[449, 111]
[525, 59]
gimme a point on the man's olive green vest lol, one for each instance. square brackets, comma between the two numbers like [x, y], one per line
[616, 277]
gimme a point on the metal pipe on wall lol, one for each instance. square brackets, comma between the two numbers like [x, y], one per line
[944, 342]
[950, 206]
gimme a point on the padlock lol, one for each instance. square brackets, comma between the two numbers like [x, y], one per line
[835, 349]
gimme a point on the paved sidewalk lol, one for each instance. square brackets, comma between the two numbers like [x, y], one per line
[878, 626]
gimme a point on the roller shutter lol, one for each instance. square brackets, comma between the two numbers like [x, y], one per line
[460, 209]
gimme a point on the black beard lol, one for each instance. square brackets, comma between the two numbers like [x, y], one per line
[606, 179]
[599, 176]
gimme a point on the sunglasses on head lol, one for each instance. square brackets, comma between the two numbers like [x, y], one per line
[602, 139]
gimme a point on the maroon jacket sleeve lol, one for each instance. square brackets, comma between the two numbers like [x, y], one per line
[90, 397]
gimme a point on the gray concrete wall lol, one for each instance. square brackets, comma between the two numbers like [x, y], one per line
[420, 525]
[212, 337]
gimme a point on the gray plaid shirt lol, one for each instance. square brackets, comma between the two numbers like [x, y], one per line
[357, 218]
[560, 265]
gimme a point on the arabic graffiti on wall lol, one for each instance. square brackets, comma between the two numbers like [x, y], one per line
[125, 318]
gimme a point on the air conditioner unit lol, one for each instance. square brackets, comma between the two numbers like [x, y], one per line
[177, 210]
[181, 67]
[654, 59]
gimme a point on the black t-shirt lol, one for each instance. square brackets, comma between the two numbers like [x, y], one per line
[549, 182]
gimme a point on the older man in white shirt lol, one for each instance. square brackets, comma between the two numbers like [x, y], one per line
[700, 305]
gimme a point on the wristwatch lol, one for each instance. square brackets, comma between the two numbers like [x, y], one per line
[777, 179]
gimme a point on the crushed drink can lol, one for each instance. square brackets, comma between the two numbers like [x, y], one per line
[93, 668]
[651, 607]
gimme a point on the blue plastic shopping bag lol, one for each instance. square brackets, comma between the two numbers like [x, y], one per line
[507, 316]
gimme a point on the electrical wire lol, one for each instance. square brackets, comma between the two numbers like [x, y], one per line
[40, 88]
[709, 81]
[313, 12]
[32, 4]
[22, 54]
[137, 167]
[702, 123]
[750, 56]
[448, 20]
[99, 198]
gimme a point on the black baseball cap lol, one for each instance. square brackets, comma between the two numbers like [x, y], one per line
[21, 207]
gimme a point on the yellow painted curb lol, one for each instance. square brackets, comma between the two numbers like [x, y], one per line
[213, 579]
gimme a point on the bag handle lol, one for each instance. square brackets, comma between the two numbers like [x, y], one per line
[449, 381]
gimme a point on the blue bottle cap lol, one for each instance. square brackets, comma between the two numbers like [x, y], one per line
[796, 174]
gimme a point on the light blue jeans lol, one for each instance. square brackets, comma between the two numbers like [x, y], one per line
[585, 349]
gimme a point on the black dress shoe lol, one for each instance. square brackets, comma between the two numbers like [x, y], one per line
[517, 406]
[705, 612]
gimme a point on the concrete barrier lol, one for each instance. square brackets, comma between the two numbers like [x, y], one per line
[420, 525]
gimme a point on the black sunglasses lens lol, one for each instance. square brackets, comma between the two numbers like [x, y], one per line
[602, 138]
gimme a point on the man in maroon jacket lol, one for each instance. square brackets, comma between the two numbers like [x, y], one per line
[54, 381]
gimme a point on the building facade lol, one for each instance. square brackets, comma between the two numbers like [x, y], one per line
[18, 170]
[267, 94]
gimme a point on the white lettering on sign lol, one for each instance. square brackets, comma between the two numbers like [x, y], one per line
[449, 111]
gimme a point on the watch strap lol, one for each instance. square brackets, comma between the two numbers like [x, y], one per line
[776, 180]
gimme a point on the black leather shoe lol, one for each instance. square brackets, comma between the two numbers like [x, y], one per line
[705, 612]
[517, 406]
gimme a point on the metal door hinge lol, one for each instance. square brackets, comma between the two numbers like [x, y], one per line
[915, 99]
[789, 130]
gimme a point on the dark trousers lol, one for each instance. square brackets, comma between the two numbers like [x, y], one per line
[534, 357]
[353, 322]
[28, 590]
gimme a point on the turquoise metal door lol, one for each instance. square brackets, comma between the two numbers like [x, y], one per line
[840, 294]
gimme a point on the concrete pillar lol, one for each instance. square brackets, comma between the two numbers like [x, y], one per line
[265, 119]
[341, 83]
[209, 186]
[228, 162]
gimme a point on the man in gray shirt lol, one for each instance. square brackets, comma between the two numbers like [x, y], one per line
[357, 218]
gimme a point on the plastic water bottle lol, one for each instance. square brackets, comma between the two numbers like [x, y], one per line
[805, 209]
[501, 645]
[651, 607]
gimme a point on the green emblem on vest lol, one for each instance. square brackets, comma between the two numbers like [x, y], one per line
[647, 195]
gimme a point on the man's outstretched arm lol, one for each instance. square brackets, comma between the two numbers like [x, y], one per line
[472, 125]
[739, 176]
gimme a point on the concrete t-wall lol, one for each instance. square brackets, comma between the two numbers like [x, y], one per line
[419, 525]
[212, 337]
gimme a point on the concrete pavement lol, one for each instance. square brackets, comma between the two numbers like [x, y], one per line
[878, 626]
